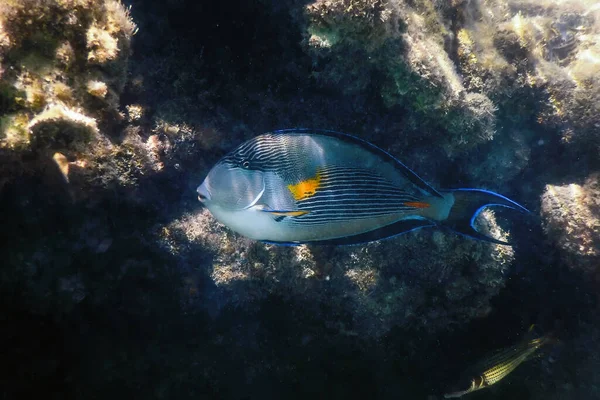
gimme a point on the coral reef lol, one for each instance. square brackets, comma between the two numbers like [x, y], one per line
[61, 127]
[556, 50]
[538, 51]
[429, 281]
[60, 92]
[571, 216]
[398, 50]
[63, 79]
[455, 68]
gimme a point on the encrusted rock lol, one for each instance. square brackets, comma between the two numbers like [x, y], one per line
[571, 216]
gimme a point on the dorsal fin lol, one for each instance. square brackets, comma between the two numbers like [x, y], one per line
[407, 172]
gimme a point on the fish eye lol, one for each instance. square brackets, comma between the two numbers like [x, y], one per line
[245, 163]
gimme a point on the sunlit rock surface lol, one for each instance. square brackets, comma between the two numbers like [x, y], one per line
[431, 280]
[571, 216]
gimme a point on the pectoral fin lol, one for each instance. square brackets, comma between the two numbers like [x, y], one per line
[287, 213]
[280, 215]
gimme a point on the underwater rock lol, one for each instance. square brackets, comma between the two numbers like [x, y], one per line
[431, 280]
[503, 161]
[62, 127]
[578, 355]
[551, 50]
[455, 68]
[571, 217]
[60, 87]
[398, 49]
[48, 76]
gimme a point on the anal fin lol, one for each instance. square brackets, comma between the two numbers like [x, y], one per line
[394, 229]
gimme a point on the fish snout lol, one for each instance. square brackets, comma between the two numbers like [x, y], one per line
[203, 193]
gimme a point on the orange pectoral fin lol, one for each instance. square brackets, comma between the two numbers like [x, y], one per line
[417, 204]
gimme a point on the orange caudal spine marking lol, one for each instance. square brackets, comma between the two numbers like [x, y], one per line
[417, 204]
[306, 188]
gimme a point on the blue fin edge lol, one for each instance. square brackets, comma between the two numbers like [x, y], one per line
[513, 205]
[517, 206]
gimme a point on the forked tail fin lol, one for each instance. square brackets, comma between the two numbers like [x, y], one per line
[468, 203]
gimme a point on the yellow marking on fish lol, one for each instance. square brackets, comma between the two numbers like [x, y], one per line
[306, 188]
[509, 359]
[289, 213]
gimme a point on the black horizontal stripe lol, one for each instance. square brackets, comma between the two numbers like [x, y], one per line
[324, 221]
[317, 223]
[356, 176]
[337, 200]
[339, 168]
[349, 213]
[343, 217]
[366, 191]
[356, 207]
[356, 185]
[365, 197]
[352, 173]
[350, 182]
[362, 190]
[339, 184]
[370, 203]
[343, 184]
[344, 214]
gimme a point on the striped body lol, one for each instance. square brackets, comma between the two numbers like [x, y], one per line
[506, 361]
[300, 186]
[499, 365]
[319, 187]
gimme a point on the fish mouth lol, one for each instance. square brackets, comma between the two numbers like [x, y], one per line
[203, 192]
[257, 198]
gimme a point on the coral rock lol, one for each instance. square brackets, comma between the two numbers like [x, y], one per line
[430, 279]
[60, 126]
[571, 216]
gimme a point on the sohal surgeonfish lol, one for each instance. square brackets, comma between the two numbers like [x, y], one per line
[498, 365]
[323, 187]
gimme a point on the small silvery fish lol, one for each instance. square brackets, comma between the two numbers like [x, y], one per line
[496, 367]
[322, 187]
